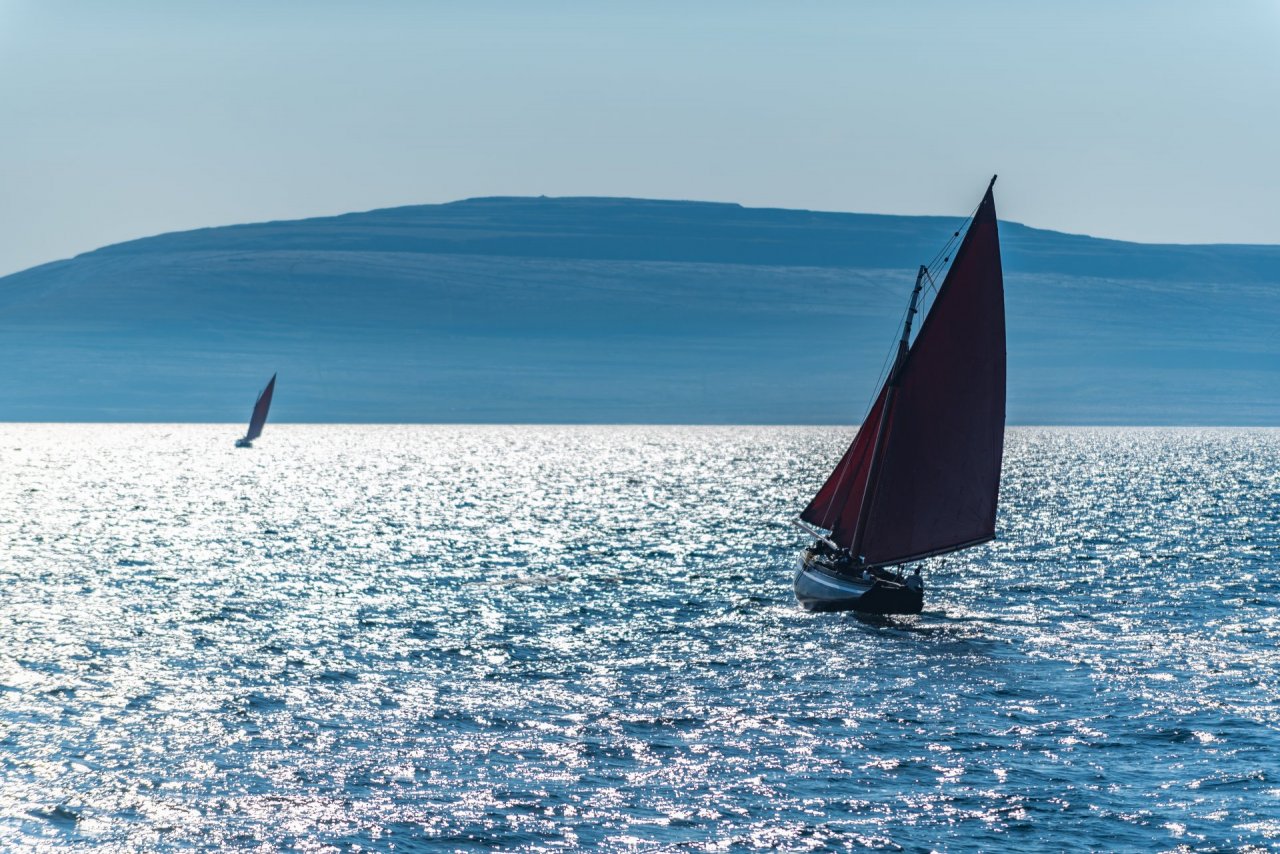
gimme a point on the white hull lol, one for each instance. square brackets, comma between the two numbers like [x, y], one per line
[820, 588]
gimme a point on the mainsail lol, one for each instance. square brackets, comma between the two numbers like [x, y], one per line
[923, 474]
[260, 408]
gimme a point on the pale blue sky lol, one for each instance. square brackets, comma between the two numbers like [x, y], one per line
[1153, 121]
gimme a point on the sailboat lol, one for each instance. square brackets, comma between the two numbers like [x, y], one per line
[922, 476]
[259, 416]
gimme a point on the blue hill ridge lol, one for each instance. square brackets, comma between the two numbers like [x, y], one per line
[618, 310]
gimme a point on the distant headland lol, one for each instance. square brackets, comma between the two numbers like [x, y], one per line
[604, 310]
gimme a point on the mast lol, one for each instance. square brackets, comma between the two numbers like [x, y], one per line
[891, 387]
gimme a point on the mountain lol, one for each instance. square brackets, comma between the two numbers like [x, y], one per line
[617, 310]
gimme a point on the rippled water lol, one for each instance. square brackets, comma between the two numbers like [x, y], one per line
[456, 637]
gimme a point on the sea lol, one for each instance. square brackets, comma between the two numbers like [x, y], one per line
[437, 638]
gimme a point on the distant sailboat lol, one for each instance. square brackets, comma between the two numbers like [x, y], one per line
[922, 476]
[259, 416]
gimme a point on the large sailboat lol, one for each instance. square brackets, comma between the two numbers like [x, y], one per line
[922, 476]
[259, 416]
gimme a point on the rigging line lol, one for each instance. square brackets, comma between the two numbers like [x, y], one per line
[943, 253]
[866, 410]
[929, 276]
[964, 226]
[932, 285]
[885, 365]
[875, 389]
[943, 257]
[826, 518]
[927, 299]
[929, 295]
[945, 250]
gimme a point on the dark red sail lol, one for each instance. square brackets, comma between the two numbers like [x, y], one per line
[260, 408]
[938, 477]
[841, 495]
[930, 482]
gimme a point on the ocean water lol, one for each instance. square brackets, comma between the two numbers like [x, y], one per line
[435, 638]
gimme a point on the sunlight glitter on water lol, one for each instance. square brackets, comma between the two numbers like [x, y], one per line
[538, 636]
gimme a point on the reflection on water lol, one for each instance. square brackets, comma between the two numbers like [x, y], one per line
[472, 636]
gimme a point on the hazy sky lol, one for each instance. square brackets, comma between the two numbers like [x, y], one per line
[1153, 121]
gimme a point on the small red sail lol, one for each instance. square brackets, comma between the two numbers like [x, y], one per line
[841, 495]
[939, 476]
[937, 464]
[260, 408]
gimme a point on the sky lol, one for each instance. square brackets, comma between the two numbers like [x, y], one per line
[1137, 120]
